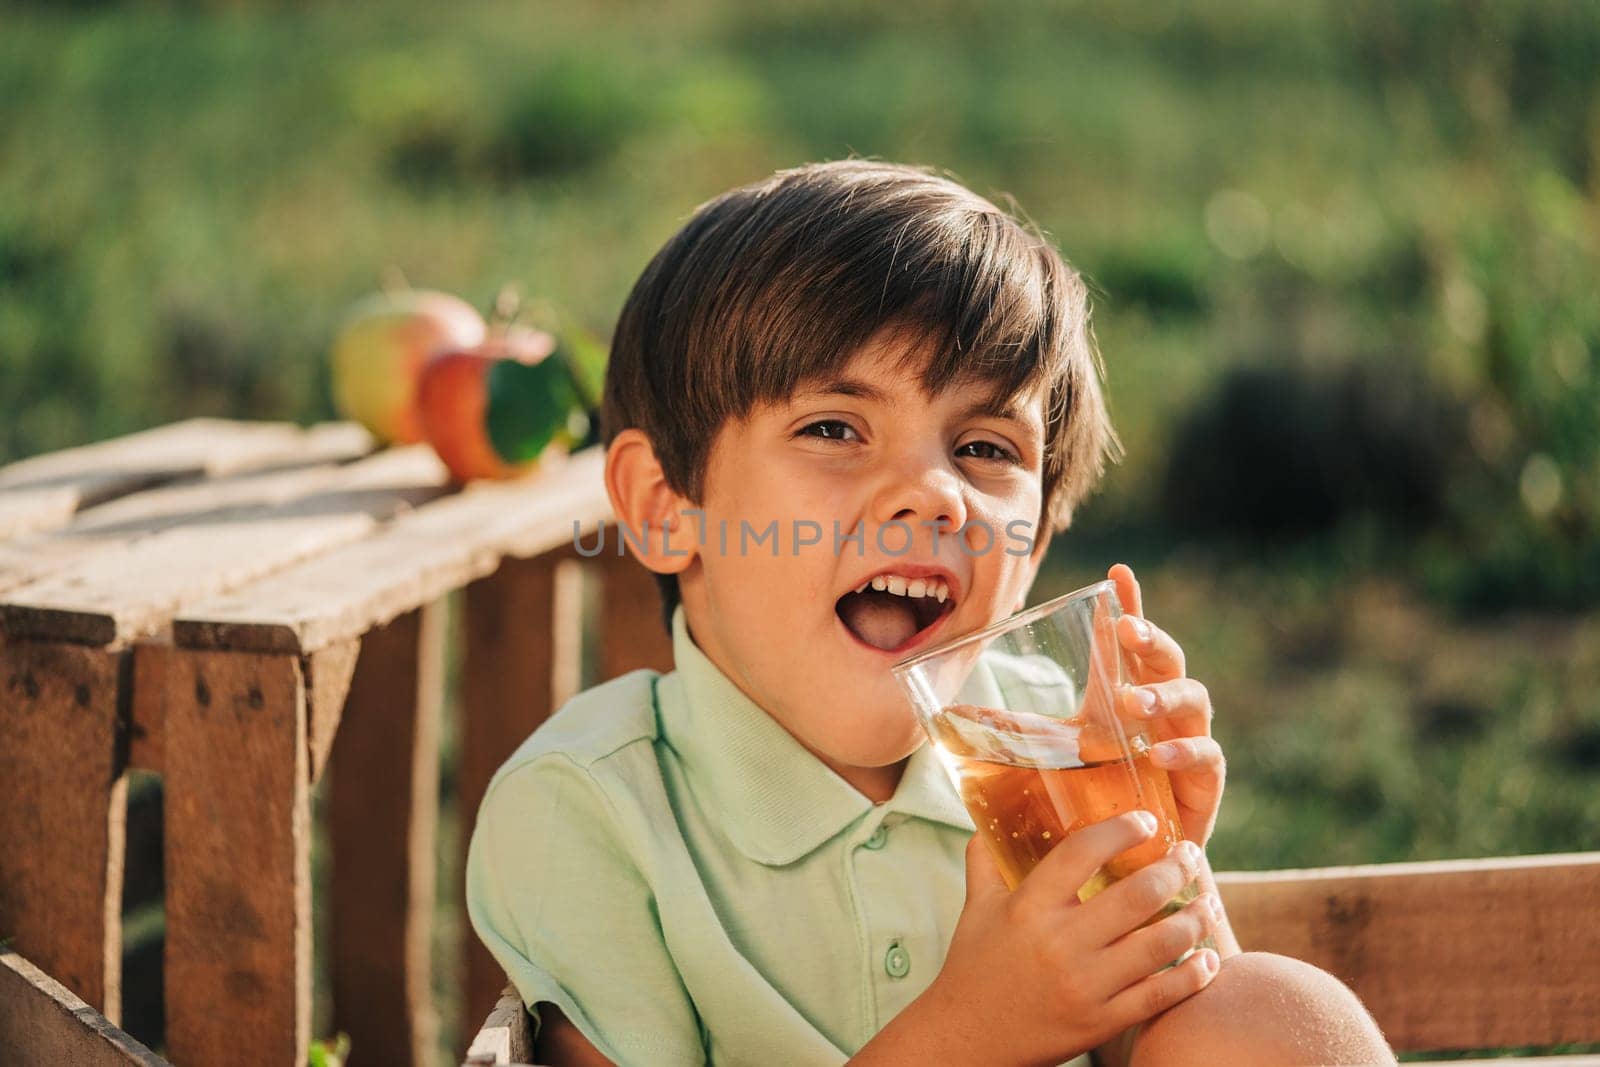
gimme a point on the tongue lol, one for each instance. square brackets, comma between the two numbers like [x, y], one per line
[882, 620]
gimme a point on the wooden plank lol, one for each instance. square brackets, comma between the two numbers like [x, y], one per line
[113, 597]
[631, 631]
[238, 860]
[1454, 954]
[108, 527]
[152, 665]
[43, 1022]
[505, 1038]
[328, 675]
[383, 806]
[520, 659]
[415, 560]
[63, 801]
[46, 491]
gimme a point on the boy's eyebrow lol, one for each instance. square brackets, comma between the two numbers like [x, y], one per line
[849, 387]
[997, 406]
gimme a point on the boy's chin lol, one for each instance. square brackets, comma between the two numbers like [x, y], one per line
[889, 746]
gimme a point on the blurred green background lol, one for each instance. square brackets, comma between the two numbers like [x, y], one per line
[1346, 258]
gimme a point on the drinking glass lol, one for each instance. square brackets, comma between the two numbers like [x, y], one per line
[1026, 718]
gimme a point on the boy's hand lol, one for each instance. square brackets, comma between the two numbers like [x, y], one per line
[1176, 708]
[1035, 976]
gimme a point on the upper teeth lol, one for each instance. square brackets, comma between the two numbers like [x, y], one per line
[894, 583]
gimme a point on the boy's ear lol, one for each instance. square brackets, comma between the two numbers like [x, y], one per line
[650, 510]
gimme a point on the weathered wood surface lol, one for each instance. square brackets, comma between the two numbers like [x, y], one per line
[521, 658]
[44, 1024]
[383, 802]
[506, 1037]
[1451, 954]
[412, 561]
[63, 801]
[47, 491]
[328, 675]
[147, 709]
[238, 860]
[322, 450]
[114, 596]
[1590, 1060]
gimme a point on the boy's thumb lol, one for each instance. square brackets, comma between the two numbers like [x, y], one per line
[983, 874]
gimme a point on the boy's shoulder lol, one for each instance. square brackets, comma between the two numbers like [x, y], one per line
[594, 724]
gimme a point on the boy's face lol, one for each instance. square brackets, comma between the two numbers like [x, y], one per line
[852, 455]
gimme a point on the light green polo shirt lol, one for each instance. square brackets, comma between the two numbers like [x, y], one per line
[668, 865]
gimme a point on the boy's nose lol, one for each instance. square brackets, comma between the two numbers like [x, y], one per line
[925, 496]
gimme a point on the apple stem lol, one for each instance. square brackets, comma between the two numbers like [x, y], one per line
[507, 306]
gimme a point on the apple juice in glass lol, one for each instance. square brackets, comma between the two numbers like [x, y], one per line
[1026, 718]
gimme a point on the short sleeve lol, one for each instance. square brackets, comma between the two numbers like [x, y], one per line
[570, 917]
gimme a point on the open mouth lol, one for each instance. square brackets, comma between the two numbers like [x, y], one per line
[892, 612]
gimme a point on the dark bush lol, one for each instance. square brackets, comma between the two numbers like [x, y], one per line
[1162, 281]
[1285, 451]
[569, 116]
[425, 153]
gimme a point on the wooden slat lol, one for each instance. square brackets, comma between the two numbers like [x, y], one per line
[328, 675]
[110, 527]
[383, 805]
[520, 659]
[1454, 954]
[414, 560]
[42, 1022]
[63, 802]
[631, 631]
[152, 663]
[238, 860]
[505, 1039]
[1590, 1060]
[46, 491]
[113, 597]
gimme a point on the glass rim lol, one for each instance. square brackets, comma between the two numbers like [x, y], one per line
[1010, 622]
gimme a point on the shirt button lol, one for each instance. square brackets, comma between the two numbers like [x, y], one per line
[879, 838]
[897, 962]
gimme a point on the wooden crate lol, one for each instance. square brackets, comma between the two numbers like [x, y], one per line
[235, 606]
[43, 1024]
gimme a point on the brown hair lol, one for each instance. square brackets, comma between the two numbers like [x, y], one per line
[779, 282]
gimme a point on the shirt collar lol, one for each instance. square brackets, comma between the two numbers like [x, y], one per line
[777, 802]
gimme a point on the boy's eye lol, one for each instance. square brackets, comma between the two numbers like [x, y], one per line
[829, 429]
[986, 450]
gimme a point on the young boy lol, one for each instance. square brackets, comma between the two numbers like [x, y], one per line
[847, 376]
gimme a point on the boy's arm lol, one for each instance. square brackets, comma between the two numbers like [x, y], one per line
[923, 1033]
[557, 899]
[561, 1044]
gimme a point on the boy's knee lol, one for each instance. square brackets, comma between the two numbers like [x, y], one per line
[1267, 1009]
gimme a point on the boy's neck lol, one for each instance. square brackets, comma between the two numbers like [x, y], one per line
[877, 784]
